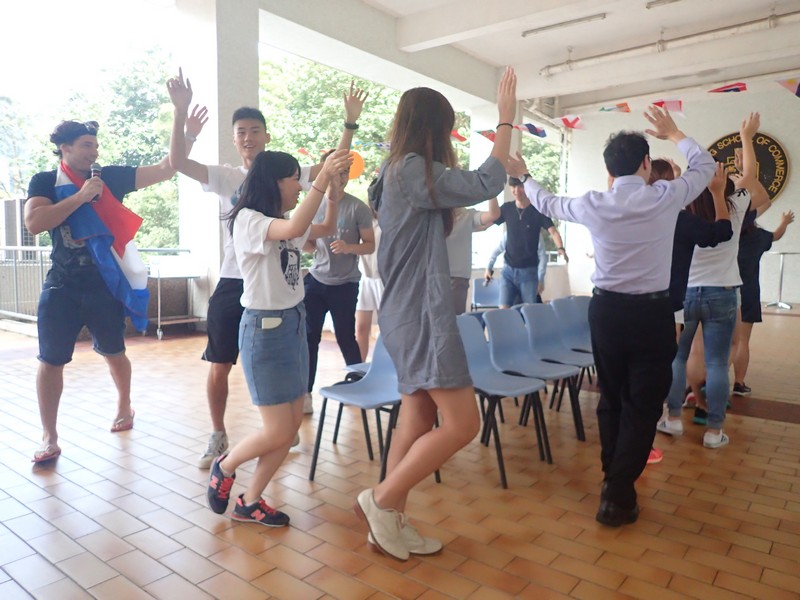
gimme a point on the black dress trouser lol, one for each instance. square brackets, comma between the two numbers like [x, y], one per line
[633, 341]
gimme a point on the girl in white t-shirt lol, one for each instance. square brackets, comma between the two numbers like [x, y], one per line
[712, 299]
[272, 336]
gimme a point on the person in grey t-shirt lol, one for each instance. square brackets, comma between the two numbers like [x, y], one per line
[331, 284]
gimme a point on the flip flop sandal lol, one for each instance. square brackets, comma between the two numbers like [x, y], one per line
[123, 423]
[49, 452]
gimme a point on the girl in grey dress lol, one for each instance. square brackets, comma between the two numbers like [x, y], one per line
[420, 186]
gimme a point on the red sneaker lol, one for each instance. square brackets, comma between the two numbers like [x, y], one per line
[655, 456]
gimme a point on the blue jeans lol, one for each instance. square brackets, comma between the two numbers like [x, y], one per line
[518, 283]
[715, 308]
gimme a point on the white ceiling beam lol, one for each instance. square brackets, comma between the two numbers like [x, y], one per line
[463, 20]
[711, 56]
[348, 34]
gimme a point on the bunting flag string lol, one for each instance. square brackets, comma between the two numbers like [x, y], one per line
[731, 87]
[457, 136]
[673, 106]
[488, 134]
[619, 107]
[532, 129]
[793, 85]
[572, 122]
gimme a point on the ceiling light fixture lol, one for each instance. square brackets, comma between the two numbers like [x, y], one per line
[657, 3]
[589, 19]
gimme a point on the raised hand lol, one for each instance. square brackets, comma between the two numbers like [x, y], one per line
[507, 96]
[180, 91]
[516, 166]
[787, 217]
[750, 125]
[354, 103]
[196, 121]
[718, 180]
[664, 128]
[338, 161]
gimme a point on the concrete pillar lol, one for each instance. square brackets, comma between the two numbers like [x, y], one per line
[218, 50]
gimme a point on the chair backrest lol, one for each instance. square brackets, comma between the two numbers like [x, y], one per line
[572, 318]
[544, 334]
[582, 305]
[485, 296]
[474, 341]
[508, 339]
[381, 365]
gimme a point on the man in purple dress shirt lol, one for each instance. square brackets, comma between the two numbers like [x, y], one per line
[630, 315]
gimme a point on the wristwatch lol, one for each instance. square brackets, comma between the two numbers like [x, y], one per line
[524, 177]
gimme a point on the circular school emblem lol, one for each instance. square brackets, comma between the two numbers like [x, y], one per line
[773, 164]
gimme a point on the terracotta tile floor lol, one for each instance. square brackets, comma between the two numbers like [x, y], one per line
[123, 515]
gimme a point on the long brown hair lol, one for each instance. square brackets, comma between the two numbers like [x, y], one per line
[703, 205]
[423, 124]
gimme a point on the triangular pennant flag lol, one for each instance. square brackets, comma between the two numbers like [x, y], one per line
[572, 122]
[793, 85]
[731, 87]
[454, 134]
[673, 106]
[303, 151]
[488, 134]
[532, 129]
[619, 107]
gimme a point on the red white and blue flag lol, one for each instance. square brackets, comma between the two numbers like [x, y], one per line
[731, 87]
[107, 227]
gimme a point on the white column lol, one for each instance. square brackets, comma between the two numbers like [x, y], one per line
[217, 46]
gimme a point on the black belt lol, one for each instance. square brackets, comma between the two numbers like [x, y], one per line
[649, 296]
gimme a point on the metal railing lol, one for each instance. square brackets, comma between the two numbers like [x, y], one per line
[22, 273]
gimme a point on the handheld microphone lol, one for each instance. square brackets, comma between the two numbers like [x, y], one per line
[95, 170]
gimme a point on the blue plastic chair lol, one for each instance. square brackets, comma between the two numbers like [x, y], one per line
[491, 386]
[485, 296]
[377, 391]
[572, 313]
[511, 352]
[547, 344]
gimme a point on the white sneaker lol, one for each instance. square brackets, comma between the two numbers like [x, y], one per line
[715, 440]
[384, 525]
[217, 445]
[415, 543]
[308, 406]
[670, 427]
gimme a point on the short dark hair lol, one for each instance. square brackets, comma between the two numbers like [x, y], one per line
[247, 112]
[67, 132]
[514, 182]
[625, 152]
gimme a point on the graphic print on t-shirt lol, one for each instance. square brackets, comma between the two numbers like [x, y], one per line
[290, 263]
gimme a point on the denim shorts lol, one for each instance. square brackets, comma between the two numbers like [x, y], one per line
[274, 354]
[66, 304]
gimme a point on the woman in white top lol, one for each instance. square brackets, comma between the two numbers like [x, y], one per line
[712, 299]
[272, 336]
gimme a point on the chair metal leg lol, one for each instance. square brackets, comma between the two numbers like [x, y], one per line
[389, 428]
[576, 412]
[494, 401]
[338, 421]
[318, 440]
[366, 434]
[379, 427]
[542, 428]
[436, 475]
[524, 412]
[500, 411]
[553, 395]
[564, 383]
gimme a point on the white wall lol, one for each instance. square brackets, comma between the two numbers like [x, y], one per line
[707, 118]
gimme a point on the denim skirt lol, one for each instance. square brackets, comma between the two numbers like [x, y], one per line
[274, 354]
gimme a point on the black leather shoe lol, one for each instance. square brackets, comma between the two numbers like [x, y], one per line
[613, 515]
